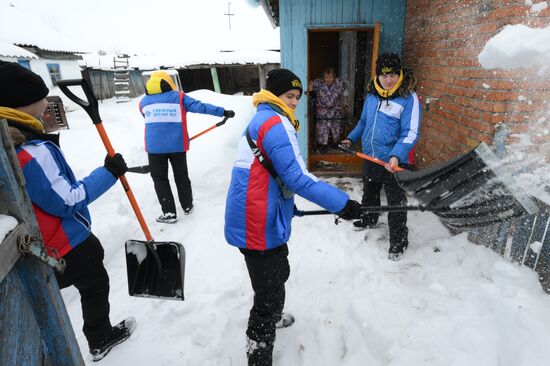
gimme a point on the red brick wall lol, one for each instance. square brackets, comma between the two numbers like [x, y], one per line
[442, 42]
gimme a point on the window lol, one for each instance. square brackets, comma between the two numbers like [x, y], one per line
[25, 63]
[55, 73]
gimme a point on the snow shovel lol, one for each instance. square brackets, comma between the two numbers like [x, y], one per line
[155, 269]
[145, 169]
[472, 190]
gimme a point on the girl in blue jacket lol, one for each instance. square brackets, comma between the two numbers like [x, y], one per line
[260, 208]
[167, 140]
[389, 128]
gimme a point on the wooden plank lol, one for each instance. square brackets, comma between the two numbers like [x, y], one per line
[520, 240]
[375, 47]
[543, 263]
[9, 254]
[537, 236]
[21, 337]
[502, 235]
[51, 315]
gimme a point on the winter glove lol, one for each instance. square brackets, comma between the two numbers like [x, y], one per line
[228, 113]
[351, 211]
[115, 165]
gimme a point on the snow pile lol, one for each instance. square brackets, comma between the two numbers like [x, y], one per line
[518, 46]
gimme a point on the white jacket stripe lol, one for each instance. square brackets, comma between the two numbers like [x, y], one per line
[71, 196]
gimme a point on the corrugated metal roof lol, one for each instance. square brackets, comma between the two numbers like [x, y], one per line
[10, 50]
[271, 8]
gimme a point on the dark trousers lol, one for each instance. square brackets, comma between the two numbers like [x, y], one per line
[397, 221]
[268, 271]
[86, 272]
[159, 173]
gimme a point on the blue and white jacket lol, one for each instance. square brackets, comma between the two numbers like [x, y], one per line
[257, 216]
[60, 201]
[389, 127]
[166, 120]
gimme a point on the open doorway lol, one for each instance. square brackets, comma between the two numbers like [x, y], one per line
[350, 53]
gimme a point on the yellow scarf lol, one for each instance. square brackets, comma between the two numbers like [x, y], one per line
[388, 93]
[265, 96]
[21, 117]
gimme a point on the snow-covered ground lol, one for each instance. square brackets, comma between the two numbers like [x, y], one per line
[447, 302]
[459, 304]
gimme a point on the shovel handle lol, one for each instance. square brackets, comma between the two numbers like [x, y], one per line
[369, 158]
[90, 105]
[210, 128]
[377, 161]
[367, 209]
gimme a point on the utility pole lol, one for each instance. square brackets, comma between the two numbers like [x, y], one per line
[229, 14]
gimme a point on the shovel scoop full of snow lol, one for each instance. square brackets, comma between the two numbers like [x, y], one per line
[472, 190]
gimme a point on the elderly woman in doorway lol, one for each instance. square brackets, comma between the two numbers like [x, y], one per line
[330, 108]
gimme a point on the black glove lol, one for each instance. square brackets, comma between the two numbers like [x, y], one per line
[115, 165]
[228, 113]
[351, 211]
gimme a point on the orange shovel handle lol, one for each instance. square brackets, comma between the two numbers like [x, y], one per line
[124, 182]
[377, 161]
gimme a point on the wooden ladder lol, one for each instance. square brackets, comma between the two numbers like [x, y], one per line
[121, 66]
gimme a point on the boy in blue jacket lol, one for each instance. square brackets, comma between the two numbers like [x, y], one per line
[166, 139]
[259, 207]
[60, 203]
[389, 128]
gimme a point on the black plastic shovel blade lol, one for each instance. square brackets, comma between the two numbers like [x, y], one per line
[472, 190]
[155, 269]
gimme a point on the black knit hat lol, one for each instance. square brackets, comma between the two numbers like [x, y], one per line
[388, 63]
[19, 86]
[279, 81]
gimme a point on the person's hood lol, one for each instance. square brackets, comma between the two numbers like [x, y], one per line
[407, 86]
[159, 82]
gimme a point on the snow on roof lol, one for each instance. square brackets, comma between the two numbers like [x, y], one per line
[172, 60]
[27, 29]
[10, 50]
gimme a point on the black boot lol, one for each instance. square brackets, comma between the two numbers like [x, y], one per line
[396, 250]
[259, 353]
[119, 334]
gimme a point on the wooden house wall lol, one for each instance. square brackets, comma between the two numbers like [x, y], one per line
[298, 16]
[103, 84]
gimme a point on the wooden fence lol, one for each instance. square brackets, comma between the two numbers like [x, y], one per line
[524, 240]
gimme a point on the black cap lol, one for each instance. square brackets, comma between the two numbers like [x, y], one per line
[279, 81]
[20, 86]
[388, 63]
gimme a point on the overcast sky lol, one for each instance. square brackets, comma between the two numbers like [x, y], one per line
[147, 27]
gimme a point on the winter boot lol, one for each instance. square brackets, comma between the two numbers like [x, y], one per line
[167, 218]
[188, 210]
[363, 224]
[286, 321]
[396, 251]
[259, 353]
[119, 334]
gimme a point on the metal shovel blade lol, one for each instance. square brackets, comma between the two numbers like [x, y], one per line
[155, 269]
